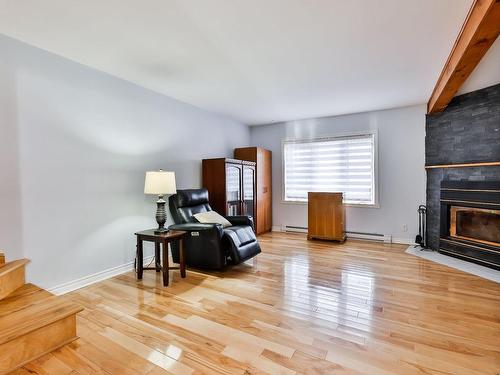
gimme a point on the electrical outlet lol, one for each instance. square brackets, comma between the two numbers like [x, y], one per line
[405, 227]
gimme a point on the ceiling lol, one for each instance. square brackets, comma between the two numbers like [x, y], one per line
[258, 61]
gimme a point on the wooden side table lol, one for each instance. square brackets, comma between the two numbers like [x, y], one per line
[160, 239]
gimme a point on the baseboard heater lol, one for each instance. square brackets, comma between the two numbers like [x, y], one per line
[291, 228]
[350, 234]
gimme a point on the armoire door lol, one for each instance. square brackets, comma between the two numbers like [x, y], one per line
[248, 190]
[233, 189]
[263, 215]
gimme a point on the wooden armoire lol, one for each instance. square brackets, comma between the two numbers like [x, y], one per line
[231, 186]
[263, 216]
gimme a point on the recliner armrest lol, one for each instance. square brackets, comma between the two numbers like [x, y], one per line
[241, 220]
[193, 226]
[196, 227]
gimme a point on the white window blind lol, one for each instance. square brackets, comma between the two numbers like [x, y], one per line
[337, 164]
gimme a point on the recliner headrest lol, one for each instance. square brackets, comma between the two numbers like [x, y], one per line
[190, 197]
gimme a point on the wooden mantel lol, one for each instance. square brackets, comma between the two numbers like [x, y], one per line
[465, 165]
[479, 31]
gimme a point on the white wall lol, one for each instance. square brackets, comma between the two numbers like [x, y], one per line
[10, 179]
[401, 141]
[75, 144]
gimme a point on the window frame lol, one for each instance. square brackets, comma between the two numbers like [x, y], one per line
[373, 133]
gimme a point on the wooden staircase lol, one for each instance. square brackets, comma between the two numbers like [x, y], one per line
[33, 322]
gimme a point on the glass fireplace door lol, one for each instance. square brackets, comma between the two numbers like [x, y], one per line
[475, 224]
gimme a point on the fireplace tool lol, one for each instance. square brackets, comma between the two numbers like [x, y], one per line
[421, 238]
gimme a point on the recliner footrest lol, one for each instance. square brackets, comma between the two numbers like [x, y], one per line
[242, 243]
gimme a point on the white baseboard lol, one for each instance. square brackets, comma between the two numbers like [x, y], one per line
[387, 238]
[96, 277]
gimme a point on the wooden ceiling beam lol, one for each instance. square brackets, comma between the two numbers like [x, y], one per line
[479, 31]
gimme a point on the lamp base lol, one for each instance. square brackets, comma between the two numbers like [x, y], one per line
[161, 216]
[162, 231]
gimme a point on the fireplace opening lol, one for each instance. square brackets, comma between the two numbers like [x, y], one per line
[475, 224]
[470, 221]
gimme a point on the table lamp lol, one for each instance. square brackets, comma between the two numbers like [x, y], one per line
[160, 183]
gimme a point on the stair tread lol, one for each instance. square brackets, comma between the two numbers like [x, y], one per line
[10, 266]
[22, 297]
[29, 308]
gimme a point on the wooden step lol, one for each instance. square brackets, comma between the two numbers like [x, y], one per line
[26, 295]
[12, 276]
[33, 322]
[2, 259]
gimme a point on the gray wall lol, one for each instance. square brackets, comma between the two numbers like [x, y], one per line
[74, 146]
[10, 177]
[467, 131]
[401, 134]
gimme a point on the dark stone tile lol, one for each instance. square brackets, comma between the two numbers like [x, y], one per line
[467, 131]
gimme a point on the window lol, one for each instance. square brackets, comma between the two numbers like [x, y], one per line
[345, 164]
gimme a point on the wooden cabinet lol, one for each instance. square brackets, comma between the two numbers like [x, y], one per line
[231, 186]
[263, 158]
[326, 216]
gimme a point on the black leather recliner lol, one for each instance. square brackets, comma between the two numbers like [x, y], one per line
[210, 245]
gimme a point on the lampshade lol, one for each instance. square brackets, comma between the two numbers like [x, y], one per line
[159, 183]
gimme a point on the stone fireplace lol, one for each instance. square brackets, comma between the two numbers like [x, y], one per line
[462, 157]
[470, 221]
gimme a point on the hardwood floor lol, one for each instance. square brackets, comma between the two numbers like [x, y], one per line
[303, 307]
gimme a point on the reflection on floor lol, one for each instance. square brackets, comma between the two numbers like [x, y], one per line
[301, 307]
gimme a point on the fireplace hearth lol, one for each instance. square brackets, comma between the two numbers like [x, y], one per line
[470, 221]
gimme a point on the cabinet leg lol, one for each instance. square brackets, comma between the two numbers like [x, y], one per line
[140, 259]
[165, 264]
[157, 257]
